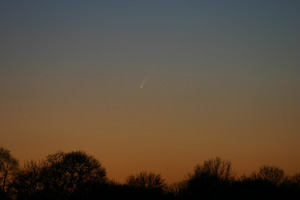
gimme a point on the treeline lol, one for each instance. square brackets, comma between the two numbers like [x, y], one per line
[79, 176]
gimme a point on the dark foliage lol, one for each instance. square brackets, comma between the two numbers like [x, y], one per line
[211, 180]
[60, 176]
[146, 186]
[78, 176]
[9, 167]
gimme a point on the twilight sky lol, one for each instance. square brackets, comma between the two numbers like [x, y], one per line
[222, 78]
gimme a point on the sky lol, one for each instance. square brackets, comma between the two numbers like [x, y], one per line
[154, 86]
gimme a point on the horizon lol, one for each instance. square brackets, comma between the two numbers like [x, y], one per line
[175, 179]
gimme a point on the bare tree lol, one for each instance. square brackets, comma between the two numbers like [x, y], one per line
[60, 176]
[8, 169]
[66, 173]
[209, 180]
[296, 179]
[146, 180]
[29, 181]
[178, 188]
[215, 168]
[272, 174]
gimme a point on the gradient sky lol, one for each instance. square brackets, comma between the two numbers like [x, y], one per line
[223, 79]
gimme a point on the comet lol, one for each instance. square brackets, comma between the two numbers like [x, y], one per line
[145, 79]
[144, 82]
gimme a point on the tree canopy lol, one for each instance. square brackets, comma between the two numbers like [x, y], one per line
[9, 167]
[78, 176]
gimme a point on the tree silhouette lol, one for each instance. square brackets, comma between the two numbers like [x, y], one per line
[146, 186]
[264, 184]
[8, 169]
[66, 173]
[60, 176]
[296, 179]
[210, 180]
[78, 176]
[271, 174]
[178, 189]
[146, 180]
[215, 168]
[29, 182]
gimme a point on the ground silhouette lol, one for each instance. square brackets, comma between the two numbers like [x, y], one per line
[78, 176]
